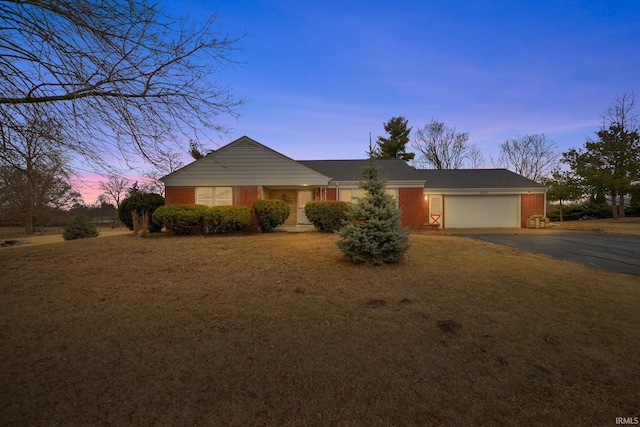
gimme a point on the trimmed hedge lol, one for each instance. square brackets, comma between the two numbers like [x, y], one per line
[270, 213]
[79, 228]
[588, 211]
[180, 218]
[327, 215]
[141, 203]
[227, 219]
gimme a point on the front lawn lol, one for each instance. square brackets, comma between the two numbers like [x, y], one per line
[629, 226]
[277, 329]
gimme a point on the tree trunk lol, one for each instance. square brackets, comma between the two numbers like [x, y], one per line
[614, 205]
[29, 213]
[560, 210]
[621, 207]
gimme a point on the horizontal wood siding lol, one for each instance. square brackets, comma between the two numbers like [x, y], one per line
[243, 163]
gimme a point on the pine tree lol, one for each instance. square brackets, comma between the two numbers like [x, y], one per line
[394, 146]
[79, 228]
[373, 233]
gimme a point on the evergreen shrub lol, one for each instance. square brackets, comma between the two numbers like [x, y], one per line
[180, 218]
[270, 213]
[327, 215]
[141, 203]
[227, 219]
[79, 228]
[587, 211]
[373, 233]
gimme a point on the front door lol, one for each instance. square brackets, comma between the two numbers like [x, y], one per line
[304, 196]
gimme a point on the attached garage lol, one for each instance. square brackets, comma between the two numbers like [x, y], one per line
[481, 198]
[481, 211]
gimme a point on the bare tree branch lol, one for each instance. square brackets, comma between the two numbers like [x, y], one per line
[119, 75]
[532, 156]
[441, 147]
[622, 113]
[115, 188]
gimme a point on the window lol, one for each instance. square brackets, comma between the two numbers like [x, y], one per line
[214, 196]
[350, 194]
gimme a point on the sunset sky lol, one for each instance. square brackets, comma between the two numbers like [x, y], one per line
[319, 76]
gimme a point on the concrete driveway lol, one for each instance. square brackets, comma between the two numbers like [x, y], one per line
[611, 252]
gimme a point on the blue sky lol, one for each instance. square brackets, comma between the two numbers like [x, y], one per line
[318, 76]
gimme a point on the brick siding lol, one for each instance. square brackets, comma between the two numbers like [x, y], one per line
[245, 196]
[179, 195]
[414, 209]
[532, 204]
[332, 194]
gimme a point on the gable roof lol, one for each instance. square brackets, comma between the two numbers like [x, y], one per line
[351, 170]
[476, 178]
[245, 162]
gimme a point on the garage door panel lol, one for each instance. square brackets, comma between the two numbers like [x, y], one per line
[481, 211]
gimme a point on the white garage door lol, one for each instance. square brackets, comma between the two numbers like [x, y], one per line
[481, 211]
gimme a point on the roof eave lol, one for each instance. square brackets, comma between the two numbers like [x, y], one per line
[398, 183]
[485, 191]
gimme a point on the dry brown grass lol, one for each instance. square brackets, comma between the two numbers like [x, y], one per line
[628, 226]
[278, 330]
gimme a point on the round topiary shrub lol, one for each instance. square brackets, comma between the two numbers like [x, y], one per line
[79, 228]
[327, 215]
[141, 203]
[227, 219]
[270, 213]
[180, 218]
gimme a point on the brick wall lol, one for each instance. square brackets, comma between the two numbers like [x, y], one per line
[532, 204]
[245, 196]
[411, 202]
[242, 196]
[330, 194]
[176, 195]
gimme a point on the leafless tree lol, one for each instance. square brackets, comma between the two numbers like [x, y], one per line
[34, 168]
[115, 188]
[622, 113]
[441, 147]
[119, 76]
[170, 163]
[475, 158]
[532, 156]
[623, 117]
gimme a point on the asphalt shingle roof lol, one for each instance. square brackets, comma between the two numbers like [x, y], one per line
[475, 178]
[399, 170]
[351, 170]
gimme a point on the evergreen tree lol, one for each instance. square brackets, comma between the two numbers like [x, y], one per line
[79, 228]
[563, 186]
[394, 146]
[610, 164]
[373, 233]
